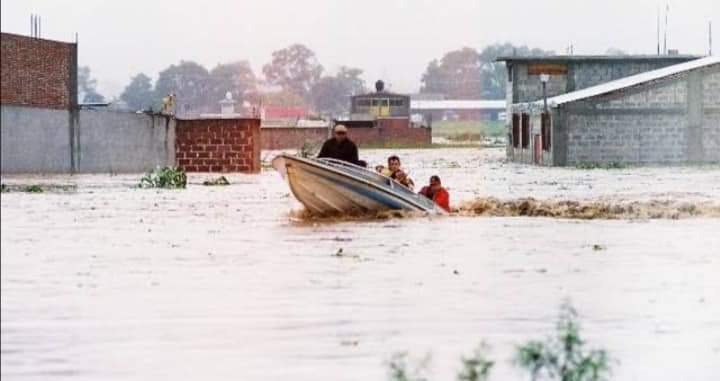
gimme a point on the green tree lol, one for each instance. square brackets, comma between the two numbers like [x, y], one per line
[456, 75]
[139, 94]
[87, 91]
[494, 74]
[467, 74]
[235, 77]
[295, 68]
[331, 94]
[190, 82]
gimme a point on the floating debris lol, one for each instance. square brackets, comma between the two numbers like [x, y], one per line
[222, 180]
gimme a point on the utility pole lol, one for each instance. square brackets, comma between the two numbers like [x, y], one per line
[667, 10]
[657, 23]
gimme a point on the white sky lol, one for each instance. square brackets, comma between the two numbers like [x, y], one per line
[389, 39]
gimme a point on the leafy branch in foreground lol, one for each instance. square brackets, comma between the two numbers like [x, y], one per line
[476, 367]
[164, 177]
[563, 356]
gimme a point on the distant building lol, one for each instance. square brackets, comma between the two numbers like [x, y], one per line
[434, 110]
[636, 110]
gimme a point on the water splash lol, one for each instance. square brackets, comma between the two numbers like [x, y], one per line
[589, 209]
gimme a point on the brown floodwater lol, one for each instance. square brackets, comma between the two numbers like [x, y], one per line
[101, 280]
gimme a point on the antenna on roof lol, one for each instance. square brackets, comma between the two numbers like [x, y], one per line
[667, 10]
[709, 38]
[658, 29]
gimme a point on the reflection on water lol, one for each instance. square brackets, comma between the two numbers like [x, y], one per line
[116, 283]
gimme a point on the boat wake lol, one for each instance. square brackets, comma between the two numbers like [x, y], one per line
[589, 209]
[530, 207]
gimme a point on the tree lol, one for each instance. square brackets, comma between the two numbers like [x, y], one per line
[494, 74]
[87, 86]
[189, 81]
[295, 68]
[331, 95]
[139, 93]
[235, 77]
[467, 74]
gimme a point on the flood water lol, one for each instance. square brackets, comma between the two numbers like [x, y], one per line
[110, 282]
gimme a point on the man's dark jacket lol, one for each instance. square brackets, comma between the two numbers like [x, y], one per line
[344, 150]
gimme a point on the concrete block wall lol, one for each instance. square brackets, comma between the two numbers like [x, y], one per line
[580, 74]
[37, 72]
[626, 138]
[123, 142]
[218, 145]
[35, 140]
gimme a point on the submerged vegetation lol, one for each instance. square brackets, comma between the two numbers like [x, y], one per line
[561, 357]
[164, 177]
[596, 165]
[222, 180]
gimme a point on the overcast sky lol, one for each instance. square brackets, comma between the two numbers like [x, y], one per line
[389, 39]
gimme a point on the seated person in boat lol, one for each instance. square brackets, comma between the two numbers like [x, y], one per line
[396, 173]
[340, 147]
[436, 192]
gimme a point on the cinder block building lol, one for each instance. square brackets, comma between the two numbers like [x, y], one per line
[634, 110]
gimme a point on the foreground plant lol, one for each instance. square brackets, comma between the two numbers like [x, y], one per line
[164, 177]
[476, 367]
[563, 357]
[399, 368]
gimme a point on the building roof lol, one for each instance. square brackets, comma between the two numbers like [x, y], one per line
[597, 58]
[633, 80]
[457, 104]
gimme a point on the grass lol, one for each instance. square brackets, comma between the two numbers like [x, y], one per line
[468, 130]
[164, 177]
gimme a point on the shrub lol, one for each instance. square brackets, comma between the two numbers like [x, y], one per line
[563, 356]
[164, 177]
[476, 367]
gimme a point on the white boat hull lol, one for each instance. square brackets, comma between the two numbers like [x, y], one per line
[324, 187]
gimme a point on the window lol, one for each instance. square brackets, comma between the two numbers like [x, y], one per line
[363, 103]
[545, 131]
[525, 131]
[516, 130]
[397, 102]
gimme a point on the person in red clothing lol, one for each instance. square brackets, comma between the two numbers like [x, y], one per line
[437, 193]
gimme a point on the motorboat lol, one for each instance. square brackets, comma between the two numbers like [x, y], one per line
[328, 186]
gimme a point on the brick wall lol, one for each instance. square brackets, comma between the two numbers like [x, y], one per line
[218, 145]
[291, 138]
[38, 72]
[388, 132]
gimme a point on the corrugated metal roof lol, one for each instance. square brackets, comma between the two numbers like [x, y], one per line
[457, 104]
[630, 81]
[679, 57]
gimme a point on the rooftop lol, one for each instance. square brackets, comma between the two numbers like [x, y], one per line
[631, 81]
[457, 104]
[590, 58]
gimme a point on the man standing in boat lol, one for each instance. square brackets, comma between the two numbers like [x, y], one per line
[340, 147]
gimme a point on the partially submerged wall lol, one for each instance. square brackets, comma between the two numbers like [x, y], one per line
[36, 140]
[388, 132]
[122, 142]
[218, 145]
